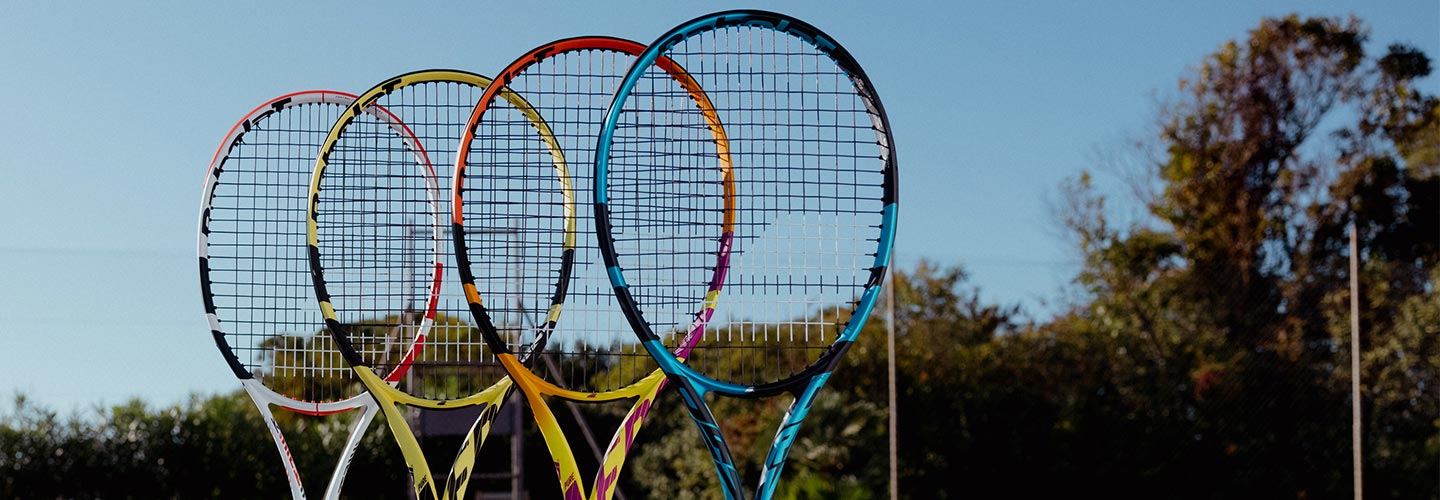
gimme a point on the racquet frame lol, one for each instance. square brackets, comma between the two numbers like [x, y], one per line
[264, 397]
[804, 385]
[386, 394]
[531, 385]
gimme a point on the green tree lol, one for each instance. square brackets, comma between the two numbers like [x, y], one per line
[207, 447]
[1236, 284]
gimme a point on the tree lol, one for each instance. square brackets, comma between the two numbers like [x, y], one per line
[1239, 275]
[207, 447]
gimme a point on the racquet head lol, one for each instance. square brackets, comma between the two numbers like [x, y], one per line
[378, 248]
[813, 182]
[521, 216]
[254, 273]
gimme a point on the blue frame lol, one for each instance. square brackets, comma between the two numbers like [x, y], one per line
[693, 386]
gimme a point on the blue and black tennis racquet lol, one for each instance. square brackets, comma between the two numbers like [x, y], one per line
[799, 221]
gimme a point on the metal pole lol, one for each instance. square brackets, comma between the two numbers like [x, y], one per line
[517, 448]
[1355, 449]
[894, 416]
[415, 429]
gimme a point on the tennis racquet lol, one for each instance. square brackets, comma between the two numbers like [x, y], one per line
[522, 259]
[254, 274]
[814, 220]
[378, 255]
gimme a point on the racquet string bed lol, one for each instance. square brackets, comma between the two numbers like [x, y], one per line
[515, 217]
[380, 224]
[259, 271]
[808, 176]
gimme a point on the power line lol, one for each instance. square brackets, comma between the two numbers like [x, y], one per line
[97, 252]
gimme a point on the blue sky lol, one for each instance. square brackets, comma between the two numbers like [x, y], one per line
[115, 108]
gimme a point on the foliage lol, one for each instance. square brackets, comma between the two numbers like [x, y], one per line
[210, 447]
[1236, 288]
